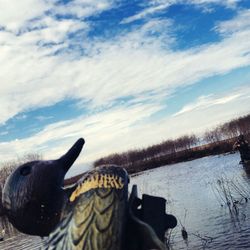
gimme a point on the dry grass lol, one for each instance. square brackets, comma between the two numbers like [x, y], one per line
[231, 194]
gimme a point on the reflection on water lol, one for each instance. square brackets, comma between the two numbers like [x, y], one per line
[189, 188]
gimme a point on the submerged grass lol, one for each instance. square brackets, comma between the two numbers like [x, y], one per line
[231, 194]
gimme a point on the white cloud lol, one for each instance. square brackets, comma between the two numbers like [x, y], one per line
[128, 65]
[204, 102]
[43, 118]
[14, 14]
[51, 30]
[21, 117]
[4, 133]
[240, 23]
[147, 11]
[227, 3]
[98, 130]
[83, 8]
[152, 7]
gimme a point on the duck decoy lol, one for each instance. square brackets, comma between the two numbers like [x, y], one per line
[33, 198]
[93, 214]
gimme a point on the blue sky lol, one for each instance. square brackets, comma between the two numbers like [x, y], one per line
[121, 74]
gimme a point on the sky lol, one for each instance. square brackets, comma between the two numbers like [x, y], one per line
[121, 74]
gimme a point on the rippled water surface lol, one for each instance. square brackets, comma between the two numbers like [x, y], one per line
[190, 189]
[195, 198]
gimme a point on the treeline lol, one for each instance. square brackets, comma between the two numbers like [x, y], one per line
[229, 130]
[188, 147]
[168, 147]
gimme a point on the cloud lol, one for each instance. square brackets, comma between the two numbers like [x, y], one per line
[50, 30]
[98, 129]
[204, 102]
[43, 118]
[4, 133]
[238, 24]
[17, 15]
[147, 11]
[227, 3]
[14, 14]
[83, 8]
[150, 8]
[21, 117]
[131, 64]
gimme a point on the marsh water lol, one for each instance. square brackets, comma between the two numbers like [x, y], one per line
[197, 193]
[194, 193]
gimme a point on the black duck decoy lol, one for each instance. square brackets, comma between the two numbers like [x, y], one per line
[93, 214]
[33, 197]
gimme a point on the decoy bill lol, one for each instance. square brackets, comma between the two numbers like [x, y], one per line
[95, 213]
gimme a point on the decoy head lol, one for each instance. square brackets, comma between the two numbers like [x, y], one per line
[33, 196]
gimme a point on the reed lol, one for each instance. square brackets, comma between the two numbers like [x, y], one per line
[231, 194]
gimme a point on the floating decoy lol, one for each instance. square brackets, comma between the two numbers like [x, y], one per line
[93, 214]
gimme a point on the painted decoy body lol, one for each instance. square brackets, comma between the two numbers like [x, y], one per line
[93, 214]
[96, 213]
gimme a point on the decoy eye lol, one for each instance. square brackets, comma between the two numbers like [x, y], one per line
[25, 170]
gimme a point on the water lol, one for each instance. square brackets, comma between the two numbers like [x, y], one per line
[189, 190]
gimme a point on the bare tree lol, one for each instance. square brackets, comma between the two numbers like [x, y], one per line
[183, 145]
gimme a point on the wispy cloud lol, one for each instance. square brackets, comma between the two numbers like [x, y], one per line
[204, 102]
[97, 129]
[152, 7]
[14, 14]
[83, 8]
[4, 133]
[21, 117]
[121, 67]
[238, 24]
[43, 118]
[227, 3]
